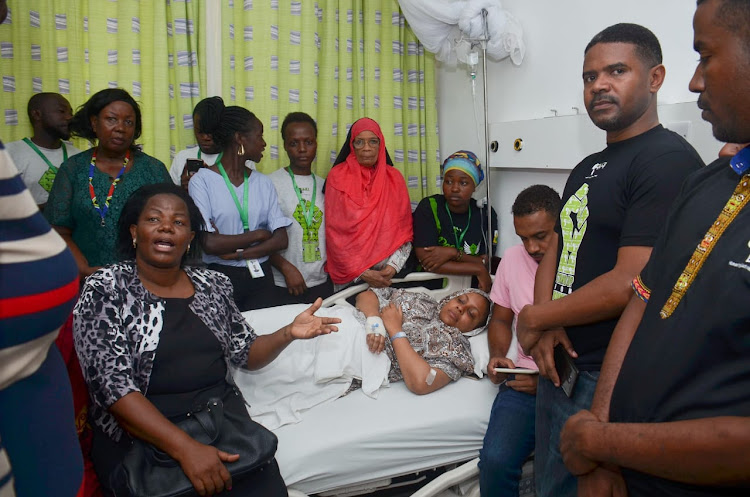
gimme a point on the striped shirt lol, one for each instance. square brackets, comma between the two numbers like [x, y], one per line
[38, 288]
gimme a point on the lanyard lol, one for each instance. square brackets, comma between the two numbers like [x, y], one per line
[103, 210]
[44, 157]
[241, 208]
[459, 240]
[199, 152]
[732, 208]
[306, 213]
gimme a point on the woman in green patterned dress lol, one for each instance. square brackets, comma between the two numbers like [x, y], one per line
[92, 187]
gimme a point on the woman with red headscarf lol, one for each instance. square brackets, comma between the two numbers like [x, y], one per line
[368, 213]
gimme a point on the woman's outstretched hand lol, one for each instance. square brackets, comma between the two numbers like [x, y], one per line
[308, 325]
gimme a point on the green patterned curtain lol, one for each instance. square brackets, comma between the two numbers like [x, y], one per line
[338, 61]
[78, 47]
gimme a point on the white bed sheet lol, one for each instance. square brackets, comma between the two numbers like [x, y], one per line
[309, 372]
[356, 439]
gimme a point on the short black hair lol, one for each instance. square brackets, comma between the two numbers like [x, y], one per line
[137, 202]
[734, 15]
[38, 100]
[536, 198]
[646, 43]
[233, 119]
[298, 117]
[80, 125]
[209, 110]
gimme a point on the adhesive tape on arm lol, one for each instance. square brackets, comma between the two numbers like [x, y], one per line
[430, 376]
[374, 324]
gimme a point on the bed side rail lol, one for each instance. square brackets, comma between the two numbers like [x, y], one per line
[454, 283]
[461, 474]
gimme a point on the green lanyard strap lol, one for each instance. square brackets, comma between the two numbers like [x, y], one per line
[459, 240]
[44, 157]
[241, 208]
[307, 213]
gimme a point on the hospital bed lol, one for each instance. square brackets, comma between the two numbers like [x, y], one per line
[355, 444]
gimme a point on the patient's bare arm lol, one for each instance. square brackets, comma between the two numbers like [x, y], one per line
[368, 303]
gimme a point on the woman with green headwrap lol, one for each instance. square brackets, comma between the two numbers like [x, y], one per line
[450, 230]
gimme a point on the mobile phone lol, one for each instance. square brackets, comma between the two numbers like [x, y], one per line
[192, 166]
[516, 371]
[566, 370]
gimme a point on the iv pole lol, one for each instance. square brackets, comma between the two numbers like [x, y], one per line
[490, 234]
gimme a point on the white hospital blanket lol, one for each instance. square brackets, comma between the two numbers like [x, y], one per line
[309, 372]
[355, 439]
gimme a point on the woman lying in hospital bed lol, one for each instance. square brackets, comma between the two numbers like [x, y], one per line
[428, 347]
[426, 341]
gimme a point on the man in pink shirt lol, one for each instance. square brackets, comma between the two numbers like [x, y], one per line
[510, 435]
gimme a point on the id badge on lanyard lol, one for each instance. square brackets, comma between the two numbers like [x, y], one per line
[310, 251]
[256, 271]
[252, 264]
[48, 179]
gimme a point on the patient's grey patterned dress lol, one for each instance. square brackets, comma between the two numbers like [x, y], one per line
[443, 347]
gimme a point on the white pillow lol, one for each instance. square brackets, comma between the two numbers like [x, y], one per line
[480, 351]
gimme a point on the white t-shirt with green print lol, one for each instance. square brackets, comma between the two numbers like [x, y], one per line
[312, 272]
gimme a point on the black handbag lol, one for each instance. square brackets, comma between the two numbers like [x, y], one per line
[149, 472]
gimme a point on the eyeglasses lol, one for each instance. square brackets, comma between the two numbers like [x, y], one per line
[359, 143]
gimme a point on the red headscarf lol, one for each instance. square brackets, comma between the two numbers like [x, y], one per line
[368, 213]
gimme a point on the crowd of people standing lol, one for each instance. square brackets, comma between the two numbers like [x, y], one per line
[148, 244]
[609, 280]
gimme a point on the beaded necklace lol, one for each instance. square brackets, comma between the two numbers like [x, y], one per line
[102, 211]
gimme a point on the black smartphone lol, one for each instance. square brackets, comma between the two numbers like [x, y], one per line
[192, 166]
[566, 370]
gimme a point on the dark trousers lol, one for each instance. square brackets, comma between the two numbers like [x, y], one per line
[553, 408]
[265, 481]
[509, 441]
[252, 293]
[38, 432]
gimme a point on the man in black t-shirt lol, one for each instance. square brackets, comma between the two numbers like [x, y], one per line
[615, 202]
[676, 379]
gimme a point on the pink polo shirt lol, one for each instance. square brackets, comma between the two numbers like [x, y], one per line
[514, 288]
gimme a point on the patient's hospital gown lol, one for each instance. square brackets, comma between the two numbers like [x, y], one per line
[443, 347]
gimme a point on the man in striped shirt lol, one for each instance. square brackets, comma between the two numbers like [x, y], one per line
[39, 450]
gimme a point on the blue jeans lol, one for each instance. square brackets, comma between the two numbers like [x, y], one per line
[507, 444]
[553, 408]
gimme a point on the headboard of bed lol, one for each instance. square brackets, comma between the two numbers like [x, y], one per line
[452, 283]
